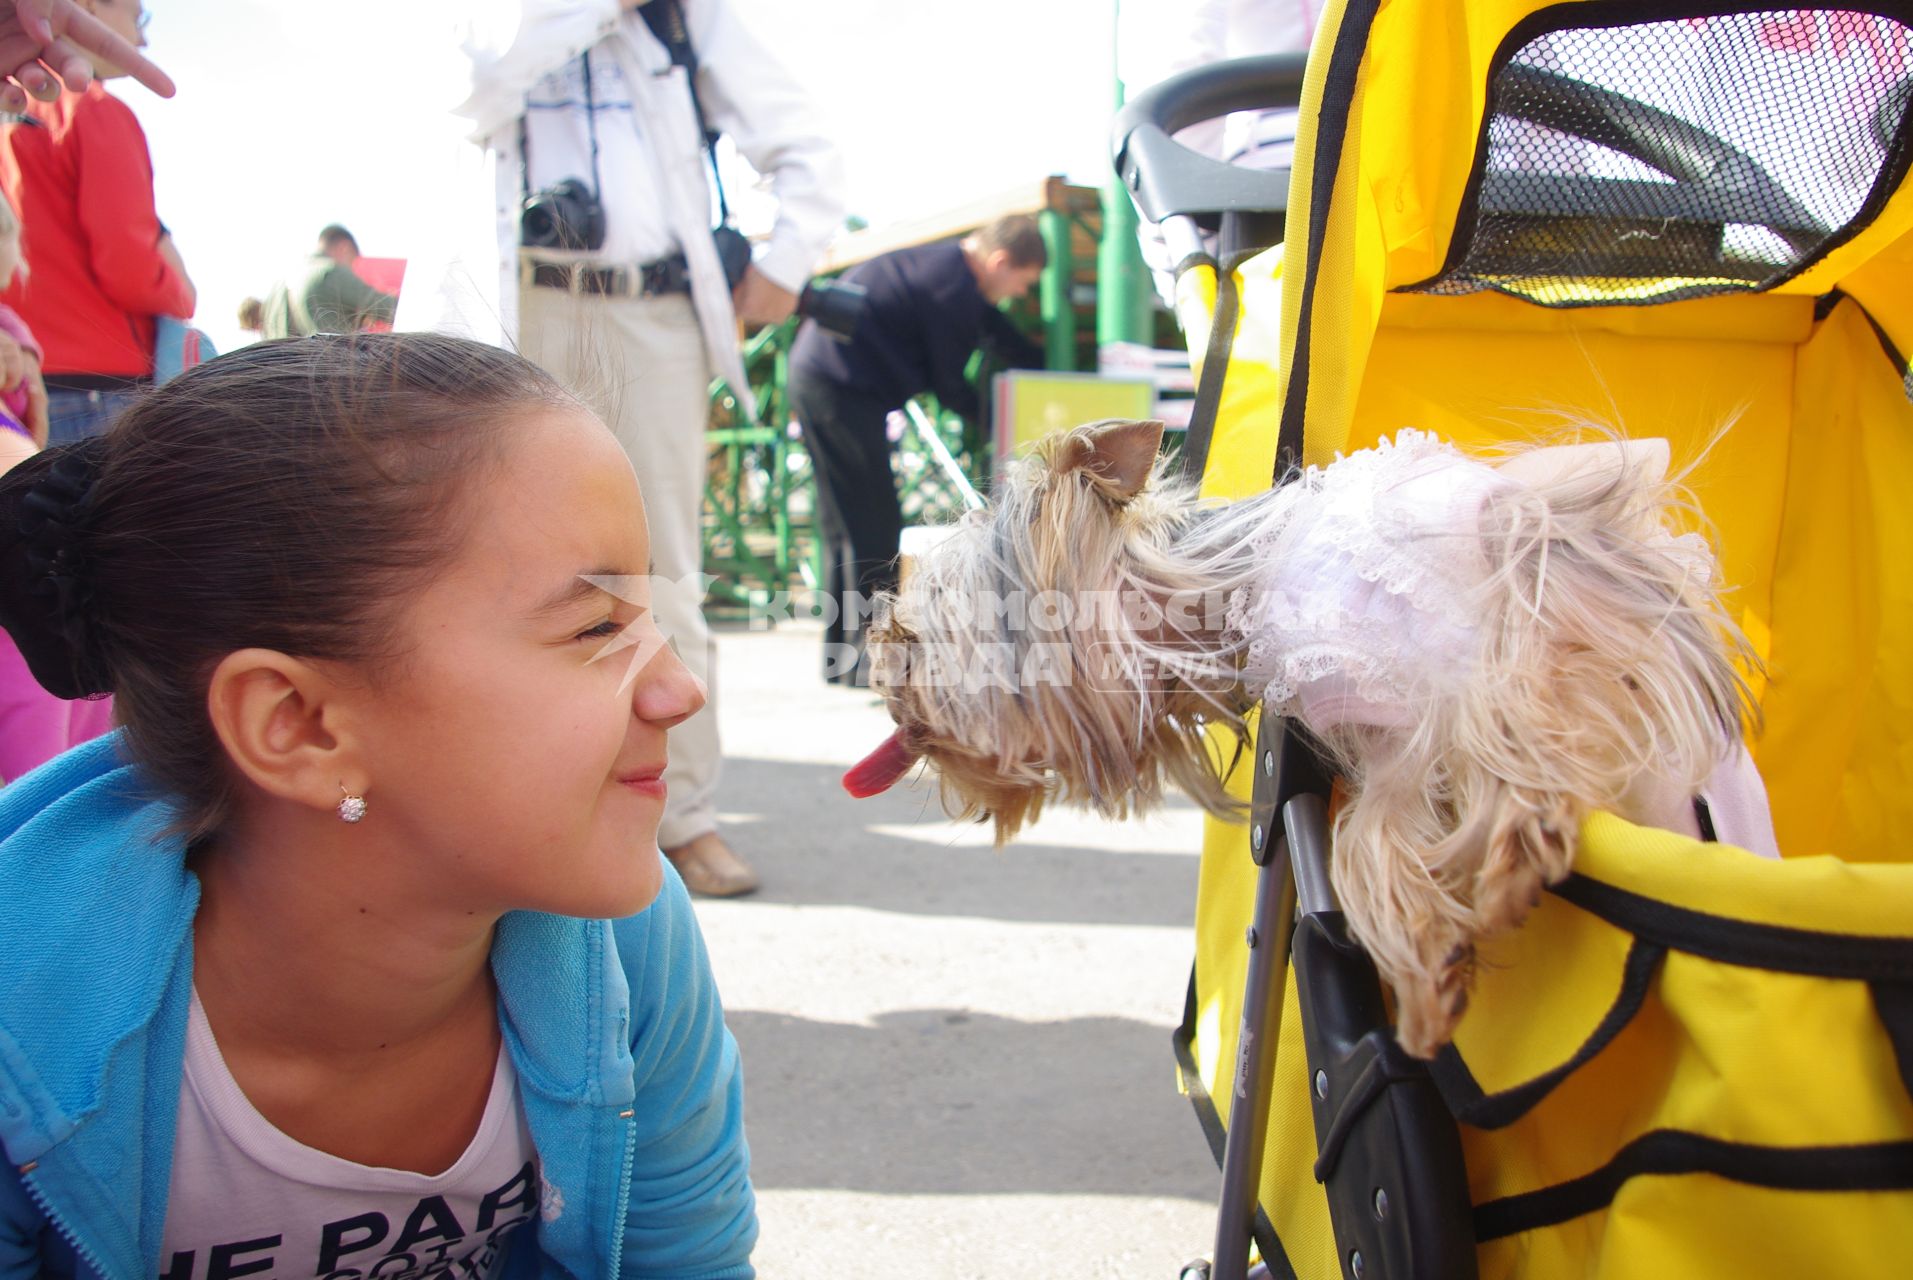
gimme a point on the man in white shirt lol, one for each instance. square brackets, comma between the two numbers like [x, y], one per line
[638, 322]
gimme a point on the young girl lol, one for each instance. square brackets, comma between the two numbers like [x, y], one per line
[352, 955]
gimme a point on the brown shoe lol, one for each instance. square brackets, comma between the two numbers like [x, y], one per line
[710, 868]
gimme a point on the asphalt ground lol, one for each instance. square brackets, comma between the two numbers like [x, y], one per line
[956, 1057]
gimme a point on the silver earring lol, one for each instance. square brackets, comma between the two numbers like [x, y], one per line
[352, 808]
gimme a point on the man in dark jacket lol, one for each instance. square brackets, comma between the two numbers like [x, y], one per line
[927, 310]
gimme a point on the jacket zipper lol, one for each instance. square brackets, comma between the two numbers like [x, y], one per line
[80, 1246]
[627, 1118]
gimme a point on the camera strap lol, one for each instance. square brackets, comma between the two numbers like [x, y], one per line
[591, 131]
[666, 20]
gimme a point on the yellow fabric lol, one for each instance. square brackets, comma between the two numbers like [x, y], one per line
[1240, 455]
[1801, 487]
[1800, 436]
[1746, 1040]
[1651, 1231]
[1843, 603]
[1412, 134]
[1811, 434]
[1879, 285]
[1743, 1055]
[1739, 1054]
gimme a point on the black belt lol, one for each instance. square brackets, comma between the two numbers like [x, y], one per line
[96, 382]
[666, 275]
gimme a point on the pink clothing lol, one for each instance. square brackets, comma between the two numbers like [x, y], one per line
[35, 726]
[15, 401]
[1737, 807]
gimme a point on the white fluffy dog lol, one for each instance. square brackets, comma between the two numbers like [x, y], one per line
[1487, 650]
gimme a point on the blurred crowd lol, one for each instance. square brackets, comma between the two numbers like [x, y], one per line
[93, 294]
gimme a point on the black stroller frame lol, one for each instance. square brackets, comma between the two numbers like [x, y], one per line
[1389, 1152]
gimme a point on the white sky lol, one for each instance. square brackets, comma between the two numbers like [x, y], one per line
[292, 115]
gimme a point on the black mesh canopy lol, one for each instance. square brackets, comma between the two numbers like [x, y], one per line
[1660, 160]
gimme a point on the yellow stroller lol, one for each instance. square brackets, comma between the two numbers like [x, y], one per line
[1690, 220]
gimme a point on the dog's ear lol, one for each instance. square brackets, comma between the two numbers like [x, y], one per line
[1119, 450]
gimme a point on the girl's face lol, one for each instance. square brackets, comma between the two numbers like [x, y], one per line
[520, 772]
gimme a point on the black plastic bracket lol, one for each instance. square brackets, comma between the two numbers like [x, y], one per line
[1388, 1151]
[1166, 178]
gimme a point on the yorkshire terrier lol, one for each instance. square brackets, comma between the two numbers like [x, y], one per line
[1485, 649]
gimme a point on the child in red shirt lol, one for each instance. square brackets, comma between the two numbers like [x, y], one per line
[78, 171]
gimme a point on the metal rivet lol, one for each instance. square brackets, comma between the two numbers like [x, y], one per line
[1249, 937]
[1255, 836]
[626, 1115]
[1268, 764]
[1321, 1084]
[1356, 1267]
[29, 1166]
[1381, 1203]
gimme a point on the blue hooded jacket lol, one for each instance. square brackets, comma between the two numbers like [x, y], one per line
[630, 1081]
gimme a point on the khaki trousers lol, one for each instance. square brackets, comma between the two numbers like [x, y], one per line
[641, 366]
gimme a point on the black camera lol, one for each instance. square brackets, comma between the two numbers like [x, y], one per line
[567, 216]
[836, 306]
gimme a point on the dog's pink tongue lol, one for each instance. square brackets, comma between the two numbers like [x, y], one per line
[879, 771]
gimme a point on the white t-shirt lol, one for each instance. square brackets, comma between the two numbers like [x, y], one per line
[246, 1200]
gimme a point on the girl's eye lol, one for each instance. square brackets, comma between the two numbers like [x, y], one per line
[604, 630]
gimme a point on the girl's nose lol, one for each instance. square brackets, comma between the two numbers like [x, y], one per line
[666, 692]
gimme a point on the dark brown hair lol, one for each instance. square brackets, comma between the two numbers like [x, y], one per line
[332, 235]
[1019, 235]
[282, 497]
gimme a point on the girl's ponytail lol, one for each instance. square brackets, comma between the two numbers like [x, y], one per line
[47, 601]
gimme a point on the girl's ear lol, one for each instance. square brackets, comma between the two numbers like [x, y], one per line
[281, 726]
[1119, 451]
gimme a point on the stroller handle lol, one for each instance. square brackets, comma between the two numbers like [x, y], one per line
[1166, 178]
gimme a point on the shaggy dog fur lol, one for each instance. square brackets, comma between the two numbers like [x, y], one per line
[1039, 653]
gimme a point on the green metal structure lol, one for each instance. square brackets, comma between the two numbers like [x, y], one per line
[1058, 283]
[760, 497]
[758, 492]
[1125, 299]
